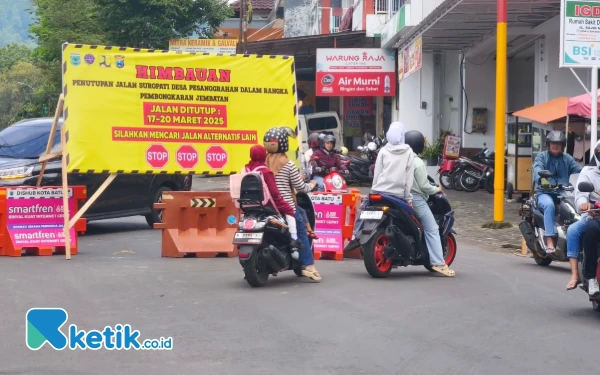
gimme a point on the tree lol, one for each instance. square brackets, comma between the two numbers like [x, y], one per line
[151, 23]
[19, 94]
[12, 54]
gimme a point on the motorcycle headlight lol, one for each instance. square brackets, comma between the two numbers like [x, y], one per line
[15, 173]
[372, 146]
[337, 182]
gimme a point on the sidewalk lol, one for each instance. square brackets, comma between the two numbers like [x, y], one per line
[471, 211]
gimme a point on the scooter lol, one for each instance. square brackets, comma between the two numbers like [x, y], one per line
[478, 172]
[392, 235]
[587, 187]
[263, 237]
[333, 181]
[362, 168]
[532, 224]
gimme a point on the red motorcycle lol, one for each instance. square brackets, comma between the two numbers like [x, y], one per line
[445, 170]
[333, 181]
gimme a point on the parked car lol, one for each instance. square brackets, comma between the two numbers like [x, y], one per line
[21, 145]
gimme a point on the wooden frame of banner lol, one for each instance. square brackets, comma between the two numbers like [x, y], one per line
[46, 157]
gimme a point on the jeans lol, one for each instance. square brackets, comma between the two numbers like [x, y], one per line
[432, 232]
[591, 238]
[546, 204]
[306, 255]
[574, 234]
[320, 182]
[358, 222]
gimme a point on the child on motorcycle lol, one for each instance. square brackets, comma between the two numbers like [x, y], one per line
[421, 190]
[324, 158]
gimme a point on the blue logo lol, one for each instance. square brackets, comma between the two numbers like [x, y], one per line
[120, 61]
[231, 219]
[89, 59]
[75, 59]
[43, 325]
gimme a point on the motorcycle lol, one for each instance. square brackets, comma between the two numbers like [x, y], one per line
[263, 236]
[587, 187]
[333, 181]
[445, 170]
[362, 168]
[532, 224]
[392, 235]
[478, 172]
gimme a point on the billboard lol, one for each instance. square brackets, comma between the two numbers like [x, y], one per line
[356, 72]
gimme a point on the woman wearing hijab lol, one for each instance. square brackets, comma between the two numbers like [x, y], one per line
[287, 179]
[258, 156]
[393, 175]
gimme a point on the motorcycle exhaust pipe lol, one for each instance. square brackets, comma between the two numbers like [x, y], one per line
[399, 240]
[528, 234]
[272, 263]
[278, 257]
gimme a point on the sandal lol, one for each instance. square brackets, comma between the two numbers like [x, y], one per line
[444, 270]
[550, 250]
[573, 284]
[313, 275]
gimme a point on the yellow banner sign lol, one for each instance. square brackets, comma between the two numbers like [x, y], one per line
[144, 111]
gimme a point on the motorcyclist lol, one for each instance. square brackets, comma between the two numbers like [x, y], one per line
[587, 227]
[561, 165]
[325, 158]
[421, 190]
[314, 143]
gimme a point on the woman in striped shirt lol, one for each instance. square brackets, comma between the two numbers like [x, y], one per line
[288, 179]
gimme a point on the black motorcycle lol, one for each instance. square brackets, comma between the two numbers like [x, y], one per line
[532, 223]
[263, 236]
[392, 235]
[362, 168]
[478, 173]
[587, 187]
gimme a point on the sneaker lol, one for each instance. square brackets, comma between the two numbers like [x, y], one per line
[593, 287]
[353, 244]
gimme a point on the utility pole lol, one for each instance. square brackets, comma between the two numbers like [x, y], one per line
[501, 46]
[240, 49]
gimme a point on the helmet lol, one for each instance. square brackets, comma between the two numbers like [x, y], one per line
[415, 140]
[344, 151]
[328, 138]
[276, 140]
[313, 140]
[556, 136]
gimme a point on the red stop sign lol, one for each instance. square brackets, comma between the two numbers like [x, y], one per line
[216, 157]
[157, 156]
[186, 156]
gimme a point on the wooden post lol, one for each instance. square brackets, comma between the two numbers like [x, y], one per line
[65, 191]
[47, 156]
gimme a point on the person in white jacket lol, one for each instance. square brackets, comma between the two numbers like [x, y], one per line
[393, 175]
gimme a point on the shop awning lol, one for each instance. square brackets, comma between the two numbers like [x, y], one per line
[545, 113]
[581, 106]
[460, 24]
[304, 48]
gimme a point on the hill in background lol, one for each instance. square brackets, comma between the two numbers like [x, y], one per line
[14, 22]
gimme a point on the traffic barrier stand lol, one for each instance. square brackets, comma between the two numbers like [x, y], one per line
[354, 254]
[197, 223]
[32, 220]
[335, 214]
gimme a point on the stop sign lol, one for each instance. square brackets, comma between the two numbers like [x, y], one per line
[187, 156]
[216, 157]
[157, 156]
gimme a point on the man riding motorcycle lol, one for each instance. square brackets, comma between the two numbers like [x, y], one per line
[325, 158]
[587, 227]
[314, 143]
[562, 165]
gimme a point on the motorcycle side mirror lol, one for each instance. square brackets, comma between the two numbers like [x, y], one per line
[545, 174]
[585, 187]
[360, 148]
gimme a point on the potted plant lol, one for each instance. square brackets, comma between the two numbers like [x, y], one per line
[432, 153]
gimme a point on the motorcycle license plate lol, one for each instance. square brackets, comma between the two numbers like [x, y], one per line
[247, 238]
[371, 215]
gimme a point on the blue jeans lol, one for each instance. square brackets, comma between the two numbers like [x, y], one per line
[306, 255]
[432, 232]
[358, 222]
[546, 204]
[320, 182]
[574, 235]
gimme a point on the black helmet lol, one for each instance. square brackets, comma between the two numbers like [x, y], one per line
[328, 138]
[556, 136]
[313, 140]
[276, 140]
[415, 140]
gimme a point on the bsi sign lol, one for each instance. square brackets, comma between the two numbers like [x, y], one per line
[580, 33]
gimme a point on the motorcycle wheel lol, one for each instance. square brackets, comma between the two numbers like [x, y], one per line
[541, 261]
[468, 182]
[449, 251]
[256, 271]
[375, 262]
[489, 184]
[455, 180]
[446, 180]
[596, 306]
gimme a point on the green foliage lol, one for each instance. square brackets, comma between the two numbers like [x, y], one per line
[436, 149]
[12, 54]
[20, 96]
[14, 22]
[151, 23]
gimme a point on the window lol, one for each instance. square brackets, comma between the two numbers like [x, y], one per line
[322, 123]
[26, 141]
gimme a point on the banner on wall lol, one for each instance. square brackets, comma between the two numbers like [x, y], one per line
[410, 59]
[356, 72]
[224, 46]
[354, 108]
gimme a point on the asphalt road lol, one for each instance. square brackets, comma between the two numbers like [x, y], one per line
[502, 314]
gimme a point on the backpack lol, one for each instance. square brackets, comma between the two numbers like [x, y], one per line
[250, 186]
